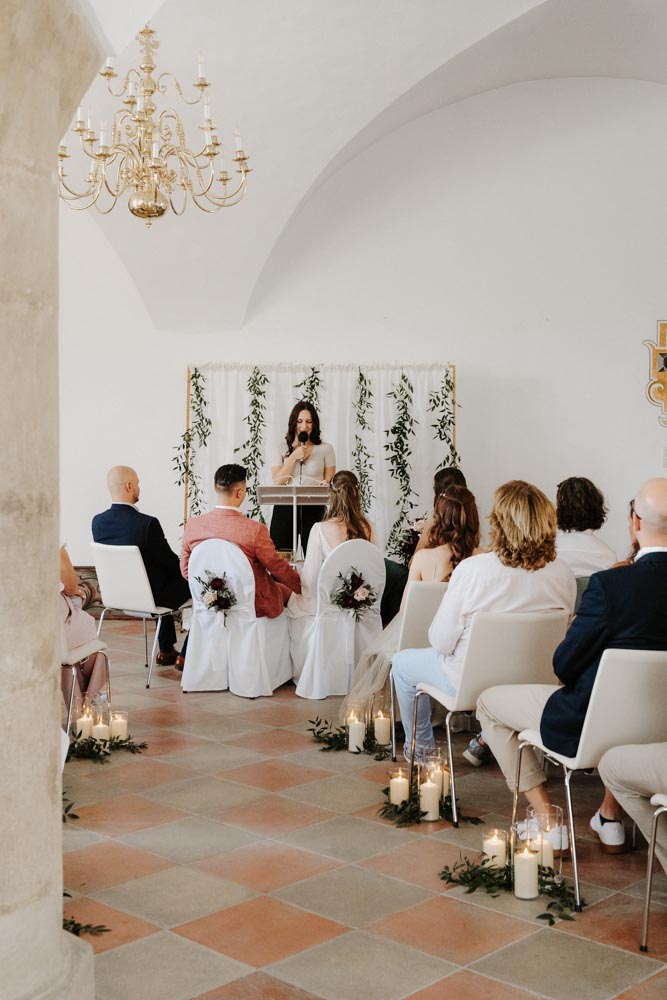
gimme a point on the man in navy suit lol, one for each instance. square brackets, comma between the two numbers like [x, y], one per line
[123, 524]
[622, 608]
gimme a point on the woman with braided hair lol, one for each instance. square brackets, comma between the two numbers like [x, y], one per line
[453, 535]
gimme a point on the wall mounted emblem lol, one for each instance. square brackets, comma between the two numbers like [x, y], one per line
[656, 390]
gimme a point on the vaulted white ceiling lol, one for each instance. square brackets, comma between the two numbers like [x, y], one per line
[312, 83]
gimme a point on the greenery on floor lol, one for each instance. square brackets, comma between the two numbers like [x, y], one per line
[68, 805]
[99, 750]
[496, 880]
[409, 811]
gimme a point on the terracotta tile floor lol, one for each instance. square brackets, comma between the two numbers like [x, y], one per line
[233, 861]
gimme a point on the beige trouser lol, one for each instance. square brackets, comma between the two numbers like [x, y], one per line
[633, 774]
[503, 712]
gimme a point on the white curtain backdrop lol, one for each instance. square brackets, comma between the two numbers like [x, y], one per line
[228, 403]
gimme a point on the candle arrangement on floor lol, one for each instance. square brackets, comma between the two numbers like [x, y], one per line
[361, 733]
[525, 860]
[98, 729]
[420, 793]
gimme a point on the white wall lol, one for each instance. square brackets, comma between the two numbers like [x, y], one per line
[519, 234]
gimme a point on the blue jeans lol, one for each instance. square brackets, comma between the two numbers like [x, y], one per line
[409, 668]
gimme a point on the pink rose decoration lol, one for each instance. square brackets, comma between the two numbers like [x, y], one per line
[361, 594]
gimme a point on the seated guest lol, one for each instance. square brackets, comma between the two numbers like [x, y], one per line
[634, 544]
[275, 579]
[449, 476]
[632, 774]
[80, 628]
[623, 608]
[342, 521]
[123, 524]
[453, 537]
[581, 511]
[520, 573]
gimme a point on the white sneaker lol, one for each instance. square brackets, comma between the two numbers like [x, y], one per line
[610, 834]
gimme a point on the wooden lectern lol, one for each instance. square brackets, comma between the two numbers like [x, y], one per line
[297, 496]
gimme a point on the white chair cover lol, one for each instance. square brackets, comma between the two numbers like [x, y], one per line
[247, 655]
[332, 641]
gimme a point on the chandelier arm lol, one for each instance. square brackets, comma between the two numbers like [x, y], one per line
[203, 208]
[228, 200]
[192, 162]
[162, 89]
[75, 194]
[106, 211]
[129, 73]
[185, 204]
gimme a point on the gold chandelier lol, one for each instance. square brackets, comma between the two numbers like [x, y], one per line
[146, 152]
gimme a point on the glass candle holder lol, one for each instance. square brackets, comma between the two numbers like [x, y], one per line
[435, 770]
[119, 725]
[356, 721]
[381, 714]
[525, 862]
[429, 795]
[550, 837]
[82, 720]
[399, 785]
[494, 845]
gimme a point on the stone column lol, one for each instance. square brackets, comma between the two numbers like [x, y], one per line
[48, 57]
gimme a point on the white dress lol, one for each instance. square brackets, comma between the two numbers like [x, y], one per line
[305, 603]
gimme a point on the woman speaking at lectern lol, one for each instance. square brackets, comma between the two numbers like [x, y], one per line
[305, 460]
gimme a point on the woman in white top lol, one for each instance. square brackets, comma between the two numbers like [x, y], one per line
[305, 460]
[581, 511]
[520, 573]
[452, 537]
[342, 521]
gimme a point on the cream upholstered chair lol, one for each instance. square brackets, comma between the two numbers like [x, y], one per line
[627, 705]
[245, 654]
[503, 648]
[125, 587]
[70, 658]
[326, 645]
[422, 600]
[660, 801]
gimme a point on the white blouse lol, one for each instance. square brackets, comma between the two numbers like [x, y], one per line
[312, 470]
[584, 552]
[483, 583]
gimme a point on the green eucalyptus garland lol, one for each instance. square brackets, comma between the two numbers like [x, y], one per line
[362, 460]
[192, 439]
[252, 448]
[398, 448]
[308, 389]
[441, 405]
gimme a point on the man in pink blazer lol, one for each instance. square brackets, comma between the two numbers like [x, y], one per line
[227, 522]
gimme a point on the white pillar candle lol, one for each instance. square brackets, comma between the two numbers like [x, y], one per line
[525, 874]
[382, 729]
[356, 734]
[119, 726]
[495, 847]
[429, 801]
[544, 848]
[239, 141]
[104, 138]
[399, 789]
[435, 774]
[200, 66]
[84, 725]
[79, 114]
[100, 731]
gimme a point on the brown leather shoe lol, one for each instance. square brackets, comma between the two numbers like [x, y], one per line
[180, 663]
[167, 659]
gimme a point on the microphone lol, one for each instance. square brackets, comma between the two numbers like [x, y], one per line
[303, 437]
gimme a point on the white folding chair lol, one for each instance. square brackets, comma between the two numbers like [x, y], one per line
[124, 587]
[503, 648]
[627, 705]
[421, 603]
[660, 801]
[240, 652]
[331, 641]
[71, 658]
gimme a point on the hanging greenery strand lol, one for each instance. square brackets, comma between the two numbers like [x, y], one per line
[398, 448]
[441, 405]
[308, 389]
[194, 438]
[252, 448]
[362, 460]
